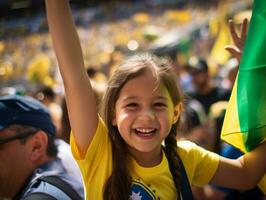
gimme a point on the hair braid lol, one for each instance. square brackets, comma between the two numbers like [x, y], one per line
[118, 185]
[172, 155]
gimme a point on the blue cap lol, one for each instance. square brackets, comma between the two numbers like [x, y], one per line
[25, 110]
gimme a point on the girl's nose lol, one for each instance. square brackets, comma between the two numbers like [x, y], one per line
[147, 114]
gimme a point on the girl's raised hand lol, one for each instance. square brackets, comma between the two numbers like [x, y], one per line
[238, 40]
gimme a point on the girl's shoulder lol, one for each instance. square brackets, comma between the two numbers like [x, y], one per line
[186, 144]
[186, 147]
[196, 160]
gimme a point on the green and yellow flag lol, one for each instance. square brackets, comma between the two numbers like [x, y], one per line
[245, 119]
[218, 54]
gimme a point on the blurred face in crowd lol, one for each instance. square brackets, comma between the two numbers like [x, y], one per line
[200, 79]
[14, 162]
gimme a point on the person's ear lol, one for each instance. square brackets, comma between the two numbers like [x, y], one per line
[114, 121]
[38, 145]
[177, 111]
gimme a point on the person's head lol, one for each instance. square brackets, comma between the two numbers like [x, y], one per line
[46, 95]
[26, 141]
[198, 69]
[141, 108]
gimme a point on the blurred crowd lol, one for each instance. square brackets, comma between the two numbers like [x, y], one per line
[192, 37]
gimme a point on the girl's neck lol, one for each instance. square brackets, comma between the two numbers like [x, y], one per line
[147, 159]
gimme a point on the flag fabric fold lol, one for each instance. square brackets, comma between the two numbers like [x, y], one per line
[245, 120]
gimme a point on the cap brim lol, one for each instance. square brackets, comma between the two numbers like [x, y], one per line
[2, 127]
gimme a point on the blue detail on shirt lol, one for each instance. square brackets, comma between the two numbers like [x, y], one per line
[139, 191]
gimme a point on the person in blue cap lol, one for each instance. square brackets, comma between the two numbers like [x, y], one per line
[29, 164]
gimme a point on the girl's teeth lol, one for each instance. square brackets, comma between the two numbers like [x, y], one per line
[145, 130]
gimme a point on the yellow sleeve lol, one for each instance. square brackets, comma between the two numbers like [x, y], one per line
[96, 164]
[98, 152]
[199, 163]
[262, 184]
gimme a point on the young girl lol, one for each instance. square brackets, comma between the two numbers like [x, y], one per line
[121, 157]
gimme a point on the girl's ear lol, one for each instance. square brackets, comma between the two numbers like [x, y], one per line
[177, 111]
[114, 121]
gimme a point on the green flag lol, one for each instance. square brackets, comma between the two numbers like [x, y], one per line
[245, 119]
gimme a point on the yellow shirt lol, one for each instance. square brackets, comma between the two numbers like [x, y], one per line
[147, 183]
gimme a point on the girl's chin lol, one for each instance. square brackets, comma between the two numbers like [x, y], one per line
[146, 149]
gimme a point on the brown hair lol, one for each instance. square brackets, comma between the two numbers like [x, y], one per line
[118, 185]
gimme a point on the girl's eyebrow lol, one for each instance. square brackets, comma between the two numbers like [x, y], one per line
[130, 98]
[161, 97]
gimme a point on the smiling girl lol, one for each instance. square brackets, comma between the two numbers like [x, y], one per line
[122, 156]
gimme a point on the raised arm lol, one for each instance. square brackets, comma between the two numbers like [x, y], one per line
[80, 99]
[243, 173]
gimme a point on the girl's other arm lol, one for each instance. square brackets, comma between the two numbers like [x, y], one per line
[80, 99]
[244, 172]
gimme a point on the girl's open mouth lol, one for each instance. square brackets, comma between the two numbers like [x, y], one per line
[145, 132]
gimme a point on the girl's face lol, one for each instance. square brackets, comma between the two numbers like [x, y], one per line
[144, 114]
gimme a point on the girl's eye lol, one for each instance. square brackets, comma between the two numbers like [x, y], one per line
[160, 105]
[131, 105]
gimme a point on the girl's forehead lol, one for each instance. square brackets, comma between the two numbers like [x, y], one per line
[145, 80]
[144, 85]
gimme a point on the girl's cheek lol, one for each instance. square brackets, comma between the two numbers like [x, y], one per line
[123, 115]
[168, 114]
